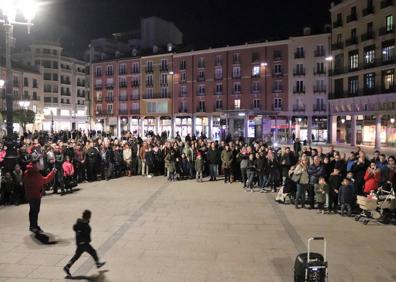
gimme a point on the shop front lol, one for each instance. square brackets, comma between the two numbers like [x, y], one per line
[202, 126]
[135, 128]
[165, 125]
[183, 125]
[216, 131]
[113, 130]
[149, 124]
[124, 123]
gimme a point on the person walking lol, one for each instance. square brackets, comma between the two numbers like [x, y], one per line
[83, 239]
[33, 182]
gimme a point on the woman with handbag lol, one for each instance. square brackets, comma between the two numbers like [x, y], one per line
[301, 177]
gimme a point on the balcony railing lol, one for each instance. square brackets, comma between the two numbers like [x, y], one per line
[164, 68]
[183, 110]
[277, 90]
[276, 108]
[122, 72]
[319, 89]
[98, 86]
[200, 93]
[123, 98]
[299, 55]
[218, 108]
[218, 92]
[351, 41]
[201, 109]
[164, 83]
[337, 23]
[149, 84]
[148, 70]
[319, 71]
[109, 99]
[135, 84]
[298, 108]
[67, 93]
[156, 96]
[98, 74]
[236, 92]
[236, 75]
[319, 108]
[135, 97]
[386, 3]
[183, 94]
[109, 73]
[277, 73]
[109, 86]
[135, 111]
[299, 72]
[123, 85]
[337, 46]
[255, 90]
[386, 30]
[98, 99]
[123, 111]
[367, 11]
[351, 18]
[367, 36]
[65, 82]
[299, 90]
[218, 77]
[135, 70]
[201, 78]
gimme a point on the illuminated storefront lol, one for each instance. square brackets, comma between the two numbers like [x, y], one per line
[183, 125]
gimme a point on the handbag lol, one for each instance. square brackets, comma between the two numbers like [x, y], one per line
[296, 177]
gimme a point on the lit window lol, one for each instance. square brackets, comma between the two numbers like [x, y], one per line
[256, 71]
[237, 104]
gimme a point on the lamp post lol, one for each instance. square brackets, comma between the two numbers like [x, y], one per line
[171, 73]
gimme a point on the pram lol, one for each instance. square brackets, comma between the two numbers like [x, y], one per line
[376, 206]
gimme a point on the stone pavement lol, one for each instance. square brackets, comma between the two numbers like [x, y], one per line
[152, 230]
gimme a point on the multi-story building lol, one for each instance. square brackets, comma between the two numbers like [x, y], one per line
[363, 97]
[65, 86]
[27, 87]
[308, 91]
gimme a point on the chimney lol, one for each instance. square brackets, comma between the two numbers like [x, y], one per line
[306, 31]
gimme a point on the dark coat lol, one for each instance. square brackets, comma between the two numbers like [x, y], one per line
[346, 195]
[83, 232]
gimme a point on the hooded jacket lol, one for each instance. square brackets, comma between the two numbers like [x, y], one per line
[83, 231]
[33, 182]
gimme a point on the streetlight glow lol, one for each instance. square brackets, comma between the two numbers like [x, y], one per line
[392, 120]
[171, 73]
[2, 82]
[264, 64]
[28, 8]
[329, 58]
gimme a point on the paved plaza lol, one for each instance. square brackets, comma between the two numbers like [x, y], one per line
[153, 230]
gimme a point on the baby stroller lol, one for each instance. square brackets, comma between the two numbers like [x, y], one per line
[368, 205]
[386, 203]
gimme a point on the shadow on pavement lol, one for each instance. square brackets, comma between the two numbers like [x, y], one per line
[284, 268]
[100, 277]
[41, 239]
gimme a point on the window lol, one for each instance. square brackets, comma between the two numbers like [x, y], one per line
[98, 71]
[149, 66]
[183, 76]
[388, 79]
[256, 71]
[256, 104]
[201, 75]
[237, 87]
[98, 108]
[35, 84]
[149, 80]
[353, 33]
[164, 79]
[47, 88]
[35, 98]
[110, 108]
[135, 67]
[182, 65]
[164, 92]
[201, 90]
[369, 56]
[339, 38]
[255, 86]
[25, 82]
[236, 59]
[236, 72]
[278, 103]
[237, 104]
[255, 56]
[353, 85]
[218, 73]
[201, 62]
[300, 52]
[219, 104]
[202, 107]
[122, 69]
[109, 70]
[369, 81]
[47, 99]
[388, 50]
[300, 86]
[389, 23]
[55, 65]
[164, 65]
[319, 103]
[370, 27]
[218, 60]
[300, 69]
[353, 60]
[277, 86]
[183, 90]
[219, 89]
[55, 100]
[149, 93]
[277, 68]
[277, 55]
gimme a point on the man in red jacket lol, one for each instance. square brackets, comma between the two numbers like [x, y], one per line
[34, 182]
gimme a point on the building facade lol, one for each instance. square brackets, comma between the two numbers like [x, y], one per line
[309, 86]
[65, 86]
[363, 96]
[27, 87]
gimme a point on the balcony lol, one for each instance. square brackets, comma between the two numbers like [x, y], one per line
[65, 93]
[298, 108]
[98, 86]
[163, 83]
[386, 3]
[200, 93]
[183, 110]
[110, 73]
[134, 97]
[35, 98]
[319, 89]
[135, 84]
[122, 72]
[123, 111]
[102, 113]
[218, 77]
[255, 90]
[299, 90]
[135, 111]
[319, 71]
[337, 23]
[236, 75]
[390, 60]
[164, 68]
[319, 108]
[319, 53]
[217, 92]
[367, 36]
[148, 69]
[276, 108]
[98, 74]
[183, 94]
[149, 84]
[277, 90]
[201, 65]
[218, 108]
[201, 109]
[236, 92]
[299, 72]
[67, 82]
[148, 96]
[98, 99]
[109, 86]
[351, 41]
[336, 71]
[386, 30]
[299, 55]
[135, 71]
[337, 46]
[367, 11]
[351, 18]
[201, 78]
[277, 73]
[123, 98]
[80, 84]
[109, 99]
[123, 84]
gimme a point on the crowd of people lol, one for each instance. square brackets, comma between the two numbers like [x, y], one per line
[311, 178]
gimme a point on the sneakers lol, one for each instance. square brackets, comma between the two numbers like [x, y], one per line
[100, 264]
[66, 269]
[36, 229]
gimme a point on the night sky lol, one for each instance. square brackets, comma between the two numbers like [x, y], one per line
[204, 23]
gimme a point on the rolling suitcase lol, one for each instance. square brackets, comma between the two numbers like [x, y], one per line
[311, 267]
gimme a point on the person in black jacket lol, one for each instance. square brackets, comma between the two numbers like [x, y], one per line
[92, 160]
[213, 157]
[83, 239]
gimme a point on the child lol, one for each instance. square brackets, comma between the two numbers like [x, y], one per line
[334, 183]
[321, 191]
[83, 239]
[199, 166]
[68, 172]
[346, 196]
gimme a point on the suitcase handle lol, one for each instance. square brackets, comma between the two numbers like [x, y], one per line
[309, 247]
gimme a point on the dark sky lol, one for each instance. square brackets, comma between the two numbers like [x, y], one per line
[204, 23]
